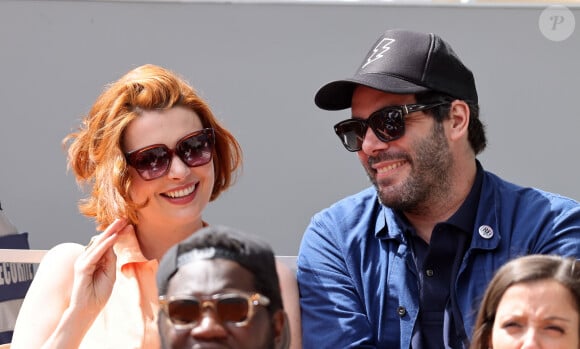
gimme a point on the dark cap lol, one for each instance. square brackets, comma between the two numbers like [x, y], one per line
[404, 62]
[214, 242]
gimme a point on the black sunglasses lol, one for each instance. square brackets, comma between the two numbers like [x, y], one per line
[388, 124]
[235, 307]
[195, 149]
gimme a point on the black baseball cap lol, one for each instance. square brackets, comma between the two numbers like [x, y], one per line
[405, 62]
[213, 242]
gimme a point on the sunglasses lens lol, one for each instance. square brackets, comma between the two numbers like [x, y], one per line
[196, 150]
[351, 133]
[388, 124]
[151, 162]
[184, 311]
[154, 161]
[233, 309]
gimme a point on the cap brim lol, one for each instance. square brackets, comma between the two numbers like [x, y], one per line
[337, 95]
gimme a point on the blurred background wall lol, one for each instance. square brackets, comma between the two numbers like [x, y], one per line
[259, 65]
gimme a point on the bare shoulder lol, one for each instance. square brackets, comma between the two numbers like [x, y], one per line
[290, 298]
[287, 279]
[284, 272]
[50, 291]
[65, 251]
[62, 256]
[56, 268]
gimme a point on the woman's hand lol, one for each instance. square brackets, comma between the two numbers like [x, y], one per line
[94, 270]
[77, 282]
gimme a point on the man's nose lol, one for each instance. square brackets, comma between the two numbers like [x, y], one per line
[209, 326]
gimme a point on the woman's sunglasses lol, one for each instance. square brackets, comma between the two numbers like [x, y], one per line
[388, 124]
[235, 307]
[195, 149]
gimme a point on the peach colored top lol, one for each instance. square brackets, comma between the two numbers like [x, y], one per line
[129, 319]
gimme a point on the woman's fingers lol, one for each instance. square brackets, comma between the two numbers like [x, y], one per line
[99, 244]
[114, 228]
[95, 268]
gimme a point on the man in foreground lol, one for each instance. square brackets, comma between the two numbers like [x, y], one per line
[220, 287]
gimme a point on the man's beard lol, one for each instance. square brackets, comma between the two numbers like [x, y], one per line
[429, 179]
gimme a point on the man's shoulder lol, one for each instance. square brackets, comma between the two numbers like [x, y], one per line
[507, 190]
[367, 196]
[356, 204]
[350, 215]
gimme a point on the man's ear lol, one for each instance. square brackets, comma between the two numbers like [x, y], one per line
[281, 328]
[459, 116]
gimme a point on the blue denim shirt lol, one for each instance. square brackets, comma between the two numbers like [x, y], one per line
[437, 264]
[357, 276]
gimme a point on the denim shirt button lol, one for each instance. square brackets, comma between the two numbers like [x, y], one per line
[401, 311]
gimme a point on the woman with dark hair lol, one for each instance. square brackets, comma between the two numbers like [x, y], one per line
[531, 302]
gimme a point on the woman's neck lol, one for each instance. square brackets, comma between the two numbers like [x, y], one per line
[155, 241]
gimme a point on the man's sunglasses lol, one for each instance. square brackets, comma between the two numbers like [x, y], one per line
[234, 307]
[388, 124]
[195, 149]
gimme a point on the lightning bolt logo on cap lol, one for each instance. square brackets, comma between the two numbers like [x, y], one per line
[379, 50]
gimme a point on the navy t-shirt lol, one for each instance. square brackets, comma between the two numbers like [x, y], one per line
[439, 324]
